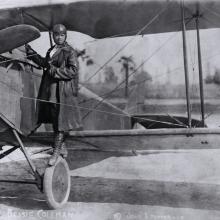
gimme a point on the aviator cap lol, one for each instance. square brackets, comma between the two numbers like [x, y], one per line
[59, 28]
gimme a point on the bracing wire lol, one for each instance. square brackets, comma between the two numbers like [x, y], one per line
[109, 93]
[118, 87]
[123, 114]
[6, 61]
[174, 70]
[129, 41]
[193, 68]
[148, 58]
[106, 112]
[211, 11]
[94, 109]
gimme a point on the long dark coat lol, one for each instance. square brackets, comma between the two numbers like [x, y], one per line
[61, 70]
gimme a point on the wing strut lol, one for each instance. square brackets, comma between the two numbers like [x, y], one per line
[185, 63]
[200, 67]
[50, 37]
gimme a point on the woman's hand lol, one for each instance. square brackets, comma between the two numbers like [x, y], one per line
[29, 50]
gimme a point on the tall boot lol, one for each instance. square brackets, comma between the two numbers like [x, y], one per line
[63, 151]
[58, 141]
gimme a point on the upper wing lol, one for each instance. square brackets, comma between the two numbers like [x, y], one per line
[16, 36]
[105, 18]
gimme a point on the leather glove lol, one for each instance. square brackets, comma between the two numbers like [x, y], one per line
[29, 50]
[51, 69]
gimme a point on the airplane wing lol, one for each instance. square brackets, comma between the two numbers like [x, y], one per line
[16, 36]
[102, 18]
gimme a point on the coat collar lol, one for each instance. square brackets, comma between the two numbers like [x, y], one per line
[64, 47]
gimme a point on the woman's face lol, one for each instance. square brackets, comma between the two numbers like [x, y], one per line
[59, 38]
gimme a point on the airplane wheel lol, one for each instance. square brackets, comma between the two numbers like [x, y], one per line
[56, 184]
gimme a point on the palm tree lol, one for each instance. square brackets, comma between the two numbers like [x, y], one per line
[128, 64]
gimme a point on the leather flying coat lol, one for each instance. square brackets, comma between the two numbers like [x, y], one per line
[59, 84]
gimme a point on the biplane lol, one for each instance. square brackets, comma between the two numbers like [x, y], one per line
[106, 127]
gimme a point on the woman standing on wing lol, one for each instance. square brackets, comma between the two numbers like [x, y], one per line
[57, 98]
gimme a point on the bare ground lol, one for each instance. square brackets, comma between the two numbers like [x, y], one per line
[167, 185]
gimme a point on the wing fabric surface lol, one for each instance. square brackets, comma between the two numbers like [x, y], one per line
[101, 19]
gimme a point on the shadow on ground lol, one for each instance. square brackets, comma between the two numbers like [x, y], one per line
[136, 192]
[104, 190]
[146, 192]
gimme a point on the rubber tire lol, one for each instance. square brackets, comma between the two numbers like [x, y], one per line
[56, 186]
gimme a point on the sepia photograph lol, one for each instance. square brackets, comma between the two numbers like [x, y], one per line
[110, 109]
